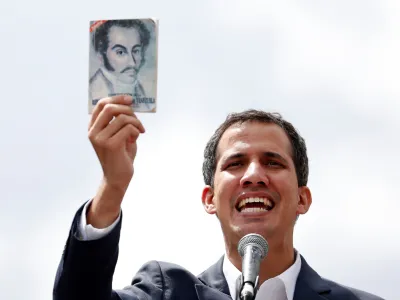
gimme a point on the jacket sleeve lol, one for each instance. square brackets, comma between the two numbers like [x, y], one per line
[86, 270]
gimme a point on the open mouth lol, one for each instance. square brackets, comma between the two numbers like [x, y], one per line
[255, 204]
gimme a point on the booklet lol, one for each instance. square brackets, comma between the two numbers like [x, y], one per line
[123, 60]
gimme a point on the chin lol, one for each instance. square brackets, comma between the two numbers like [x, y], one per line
[127, 79]
[254, 228]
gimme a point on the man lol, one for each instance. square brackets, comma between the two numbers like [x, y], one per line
[120, 46]
[255, 170]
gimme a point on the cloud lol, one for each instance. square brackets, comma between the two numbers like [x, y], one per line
[331, 68]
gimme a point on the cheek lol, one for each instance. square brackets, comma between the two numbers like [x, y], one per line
[287, 189]
[226, 186]
[116, 61]
[138, 57]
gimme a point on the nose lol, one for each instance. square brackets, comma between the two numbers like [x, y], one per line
[133, 59]
[255, 175]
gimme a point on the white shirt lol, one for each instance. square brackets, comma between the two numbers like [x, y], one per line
[88, 232]
[231, 273]
[289, 277]
[99, 88]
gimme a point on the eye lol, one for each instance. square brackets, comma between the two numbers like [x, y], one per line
[120, 52]
[233, 164]
[274, 164]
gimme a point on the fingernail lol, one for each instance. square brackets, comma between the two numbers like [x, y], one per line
[127, 98]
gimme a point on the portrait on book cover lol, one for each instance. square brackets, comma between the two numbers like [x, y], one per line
[123, 60]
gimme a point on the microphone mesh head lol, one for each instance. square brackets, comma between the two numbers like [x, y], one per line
[255, 240]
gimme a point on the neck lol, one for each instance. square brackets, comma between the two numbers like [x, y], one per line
[279, 258]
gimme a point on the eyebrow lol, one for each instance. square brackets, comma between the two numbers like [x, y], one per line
[118, 46]
[275, 155]
[268, 154]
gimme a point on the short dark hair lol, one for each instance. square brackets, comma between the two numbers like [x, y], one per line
[299, 149]
[100, 36]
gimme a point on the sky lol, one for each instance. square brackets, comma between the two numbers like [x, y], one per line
[330, 68]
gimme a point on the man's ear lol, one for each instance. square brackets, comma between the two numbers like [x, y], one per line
[207, 197]
[305, 200]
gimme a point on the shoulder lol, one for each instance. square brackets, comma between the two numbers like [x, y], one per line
[98, 78]
[98, 75]
[176, 272]
[330, 289]
[99, 85]
[99, 81]
[340, 289]
[161, 280]
[167, 270]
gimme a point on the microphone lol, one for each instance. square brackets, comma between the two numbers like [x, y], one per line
[252, 248]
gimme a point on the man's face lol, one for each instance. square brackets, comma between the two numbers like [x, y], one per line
[124, 54]
[255, 184]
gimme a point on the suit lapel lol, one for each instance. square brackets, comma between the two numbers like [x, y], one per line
[310, 285]
[207, 293]
[215, 286]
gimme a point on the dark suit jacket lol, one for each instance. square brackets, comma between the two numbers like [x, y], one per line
[86, 271]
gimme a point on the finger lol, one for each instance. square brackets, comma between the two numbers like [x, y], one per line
[117, 124]
[127, 133]
[140, 125]
[109, 114]
[121, 99]
[106, 115]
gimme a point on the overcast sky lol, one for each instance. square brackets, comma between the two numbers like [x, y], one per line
[330, 68]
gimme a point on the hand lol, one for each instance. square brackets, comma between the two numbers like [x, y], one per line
[113, 132]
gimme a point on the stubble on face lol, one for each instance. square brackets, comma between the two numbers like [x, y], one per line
[255, 159]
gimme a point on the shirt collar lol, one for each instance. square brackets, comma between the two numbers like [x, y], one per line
[289, 277]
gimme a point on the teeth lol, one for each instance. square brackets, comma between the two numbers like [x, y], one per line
[251, 200]
[242, 203]
[265, 201]
[253, 209]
